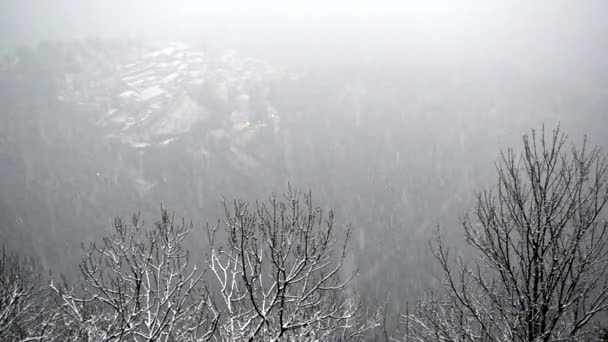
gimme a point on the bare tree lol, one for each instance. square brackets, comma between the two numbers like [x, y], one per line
[542, 241]
[139, 286]
[25, 310]
[279, 268]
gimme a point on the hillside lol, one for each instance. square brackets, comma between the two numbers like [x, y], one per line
[98, 128]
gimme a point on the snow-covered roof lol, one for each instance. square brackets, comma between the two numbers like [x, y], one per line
[127, 93]
[150, 93]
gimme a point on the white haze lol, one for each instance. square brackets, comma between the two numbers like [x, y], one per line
[401, 110]
[565, 36]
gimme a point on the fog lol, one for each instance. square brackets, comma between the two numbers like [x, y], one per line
[391, 114]
[559, 31]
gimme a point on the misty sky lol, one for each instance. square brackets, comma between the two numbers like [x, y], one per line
[551, 34]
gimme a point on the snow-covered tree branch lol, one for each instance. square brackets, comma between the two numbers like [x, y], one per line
[25, 313]
[541, 237]
[139, 285]
[281, 273]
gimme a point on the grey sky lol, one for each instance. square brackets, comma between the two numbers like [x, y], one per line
[563, 39]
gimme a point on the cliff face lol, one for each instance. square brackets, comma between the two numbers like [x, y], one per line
[153, 95]
[92, 127]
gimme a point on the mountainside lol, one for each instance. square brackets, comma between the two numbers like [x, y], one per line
[92, 129]
[142, 124]
[160, 94]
